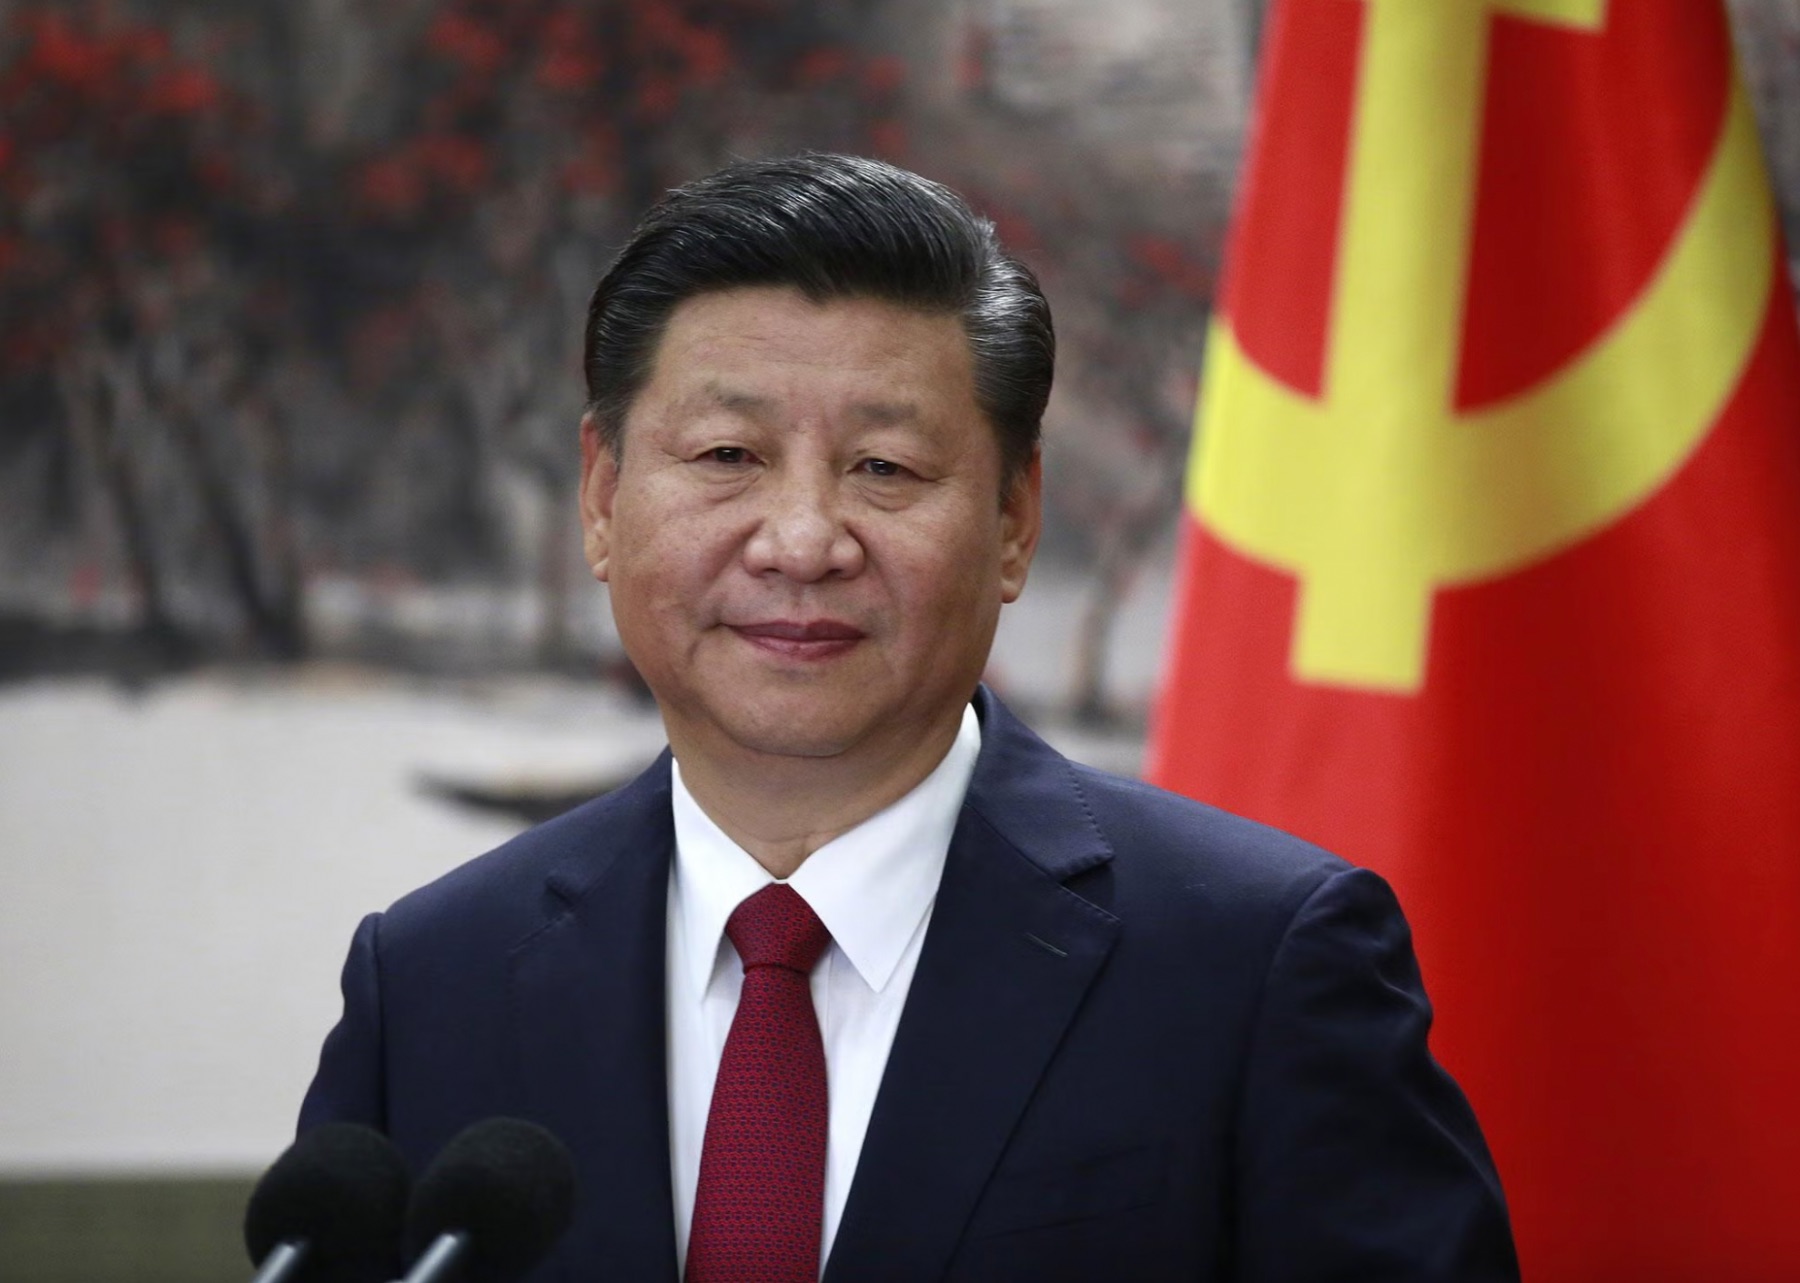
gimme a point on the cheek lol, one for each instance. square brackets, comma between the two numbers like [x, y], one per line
[652, 523]
[669, 565]
[955, 557]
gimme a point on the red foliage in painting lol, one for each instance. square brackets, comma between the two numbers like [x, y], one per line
[462, 39]
[183, 91]
[569, 68]
[701, 51]
[569, 60]
[707, 55]
[460, 164]
[594, 170]
[117, 234]
[563, 28]
[108, 87]
[392, 187]
[887, 138]
[816, 66]
[90, 76]
[1169, 261]
[1016, 232]
[378, 340]
[27, 346]
[883, 75]
[216, 172]
[657, 96]
[145, 45]
[973, 59]
[64, 56]
[175, 236]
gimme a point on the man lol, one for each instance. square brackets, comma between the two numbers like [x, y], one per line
[1000, 1017]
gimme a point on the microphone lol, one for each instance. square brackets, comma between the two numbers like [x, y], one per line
[491, 1205]
[330, 1210]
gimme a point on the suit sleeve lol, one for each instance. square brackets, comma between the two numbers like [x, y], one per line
[1358, 1157]
[348, 1086]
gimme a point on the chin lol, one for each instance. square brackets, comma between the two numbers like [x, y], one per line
[791, 737]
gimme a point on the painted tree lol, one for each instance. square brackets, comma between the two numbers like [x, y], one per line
[136, 352]
[268, 301]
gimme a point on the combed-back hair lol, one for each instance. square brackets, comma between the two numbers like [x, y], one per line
[831, 227]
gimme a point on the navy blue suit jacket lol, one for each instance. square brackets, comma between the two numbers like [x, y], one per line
[1146, 1040]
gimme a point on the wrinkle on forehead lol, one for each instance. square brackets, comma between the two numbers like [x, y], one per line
[779, 324]
[752, 405]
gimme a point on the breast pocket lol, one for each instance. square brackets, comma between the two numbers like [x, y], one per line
[1053, 1192]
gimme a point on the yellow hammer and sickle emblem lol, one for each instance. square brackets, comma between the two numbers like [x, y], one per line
[1379, 493]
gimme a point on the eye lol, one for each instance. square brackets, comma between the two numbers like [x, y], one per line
[726, 454]
[882, 468]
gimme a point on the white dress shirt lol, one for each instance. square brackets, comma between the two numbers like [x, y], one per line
[873, 888]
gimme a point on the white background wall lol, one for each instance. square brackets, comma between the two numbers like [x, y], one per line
[180, 875]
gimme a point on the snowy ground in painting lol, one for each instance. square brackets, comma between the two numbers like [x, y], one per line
[181, 868]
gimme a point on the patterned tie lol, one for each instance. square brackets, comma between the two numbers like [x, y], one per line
[761, 1195]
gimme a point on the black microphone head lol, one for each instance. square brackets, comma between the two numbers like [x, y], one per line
[343, 1188]
[507, 1184]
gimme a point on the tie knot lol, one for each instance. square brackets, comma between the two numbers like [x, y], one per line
[776, 928]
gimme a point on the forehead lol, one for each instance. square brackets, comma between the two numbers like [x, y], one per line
[773, 343]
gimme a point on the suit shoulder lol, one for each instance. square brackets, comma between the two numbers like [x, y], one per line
[507, 890]
[1159, 836]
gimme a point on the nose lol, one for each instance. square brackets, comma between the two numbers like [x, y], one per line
[800, 532]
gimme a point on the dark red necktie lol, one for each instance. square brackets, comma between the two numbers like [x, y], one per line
[761, 1197]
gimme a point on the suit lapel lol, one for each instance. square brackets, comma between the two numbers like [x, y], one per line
[1007, 960]
[590, 1017]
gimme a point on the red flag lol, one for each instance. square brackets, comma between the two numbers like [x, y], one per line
[1491, 582]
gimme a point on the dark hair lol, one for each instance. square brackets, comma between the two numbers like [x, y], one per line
[831, 227]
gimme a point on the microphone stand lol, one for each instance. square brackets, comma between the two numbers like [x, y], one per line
[283, 1259]
[443, 1253]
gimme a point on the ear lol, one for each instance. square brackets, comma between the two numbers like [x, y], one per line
[599, 483]
[1021, 522]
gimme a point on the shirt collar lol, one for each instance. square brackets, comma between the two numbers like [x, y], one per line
[870, 886]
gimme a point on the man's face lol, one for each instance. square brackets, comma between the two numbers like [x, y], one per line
[805, 539]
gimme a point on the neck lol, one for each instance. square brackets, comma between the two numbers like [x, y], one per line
[781, 809]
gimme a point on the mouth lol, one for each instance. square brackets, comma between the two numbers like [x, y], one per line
[810, 639]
